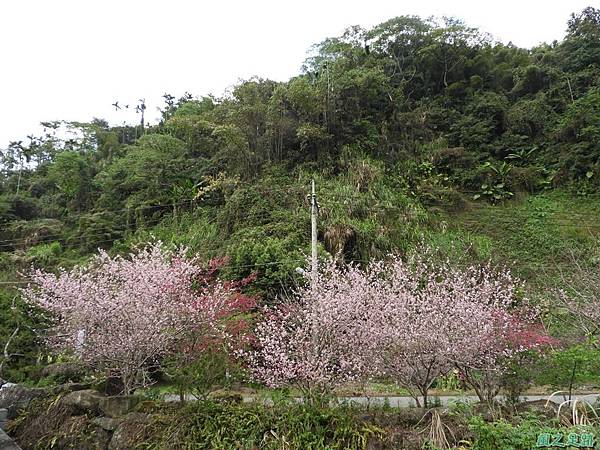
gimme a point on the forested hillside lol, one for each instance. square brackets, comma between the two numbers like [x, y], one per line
[414, 130]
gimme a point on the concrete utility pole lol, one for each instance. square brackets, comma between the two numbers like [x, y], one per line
[314, 210]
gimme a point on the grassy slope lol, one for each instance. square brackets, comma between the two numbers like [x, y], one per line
[536, 235]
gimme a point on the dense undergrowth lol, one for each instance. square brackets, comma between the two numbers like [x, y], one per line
[49, 423]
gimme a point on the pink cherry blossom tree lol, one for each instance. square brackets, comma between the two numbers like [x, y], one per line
[492, 353]
[413, 346]
[124, 314]
[442, 317]
[320, 337]
[410, 321]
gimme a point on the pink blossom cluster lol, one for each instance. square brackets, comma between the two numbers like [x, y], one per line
[125, 314]
[407, 321]
[317, 338]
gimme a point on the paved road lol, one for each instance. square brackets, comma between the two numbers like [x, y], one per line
[405, 402]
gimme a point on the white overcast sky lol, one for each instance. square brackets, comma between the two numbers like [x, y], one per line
[70, 60]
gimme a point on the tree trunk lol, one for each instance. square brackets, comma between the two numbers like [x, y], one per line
[424, 394]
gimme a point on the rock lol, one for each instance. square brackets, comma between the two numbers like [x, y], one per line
[147, 406]
[78, 434]
[225, 396]
[118, 406]
[64, 372]
[84, 401]
[106, 423]
[70, 387]
[14, 398]
[3, 418]
[6, 443]
[113, 385]
[541, 407]
[126, 436]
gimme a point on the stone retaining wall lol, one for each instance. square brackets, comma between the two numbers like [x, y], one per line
[6, 443]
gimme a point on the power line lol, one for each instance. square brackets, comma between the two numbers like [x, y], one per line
[327, 200]
[559, 224]
[137, 208]
[510, 220]
[346, 200]
[68, 234]
[67, 237]
[133, 210]
[82, 239]
[243, 266]
[556, 220]
[275, 263]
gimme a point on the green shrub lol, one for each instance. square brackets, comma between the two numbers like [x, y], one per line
[45, 254]
[573, 367]
[503, 435]
[209, 425]
[200, 374]
[520, 436]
